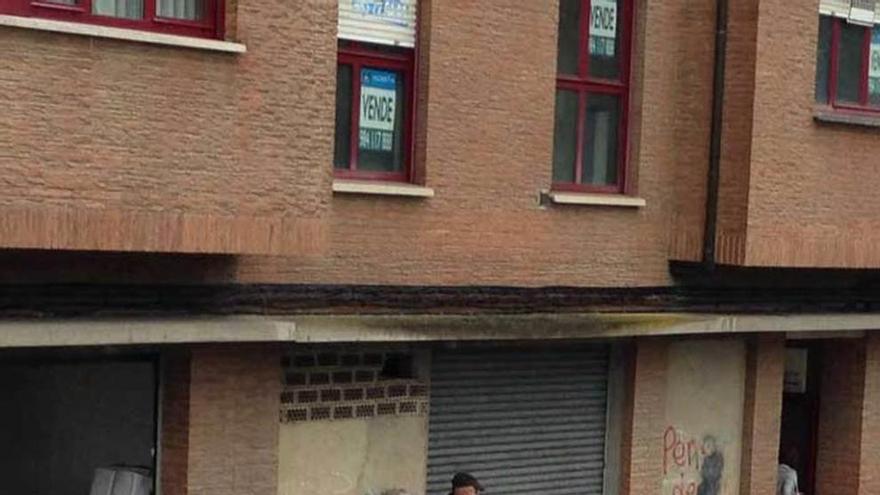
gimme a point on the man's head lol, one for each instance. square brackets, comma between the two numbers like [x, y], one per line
[465, 484]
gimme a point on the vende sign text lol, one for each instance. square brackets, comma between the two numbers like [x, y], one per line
[603, 27]
[378, 110]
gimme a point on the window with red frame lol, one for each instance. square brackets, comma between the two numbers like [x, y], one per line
[200, 18]
[374, 94]
[848, 65]
[592, 95]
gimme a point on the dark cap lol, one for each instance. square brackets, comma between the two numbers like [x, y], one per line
[461, 480]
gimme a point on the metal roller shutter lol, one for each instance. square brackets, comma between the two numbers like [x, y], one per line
[857, 11]
[837, 8]
[521, 421]
[385, 22]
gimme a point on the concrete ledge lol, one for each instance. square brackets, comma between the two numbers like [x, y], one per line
[420, 328]
[112, 331]
[381, 188]
[830, 115]
[439, 328]
[591, 199]
[121, 34]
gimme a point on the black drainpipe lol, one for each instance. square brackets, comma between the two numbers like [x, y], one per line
[712, 179]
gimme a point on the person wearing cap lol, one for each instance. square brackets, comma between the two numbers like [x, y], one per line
[465, 484]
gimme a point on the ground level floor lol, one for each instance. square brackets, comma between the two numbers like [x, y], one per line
[674, 415]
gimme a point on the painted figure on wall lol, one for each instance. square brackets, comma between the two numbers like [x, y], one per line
[712, 468]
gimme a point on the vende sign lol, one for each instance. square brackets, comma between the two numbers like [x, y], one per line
[874, 65]
[378, 109]
[603, 27]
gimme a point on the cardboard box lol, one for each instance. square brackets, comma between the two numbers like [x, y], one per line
[121, 480]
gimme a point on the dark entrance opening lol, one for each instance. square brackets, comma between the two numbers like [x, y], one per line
[67, 414]
[800, 410]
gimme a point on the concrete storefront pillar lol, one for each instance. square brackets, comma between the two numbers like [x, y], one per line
[765, 368]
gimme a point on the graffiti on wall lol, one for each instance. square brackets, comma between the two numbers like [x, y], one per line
[692, 465]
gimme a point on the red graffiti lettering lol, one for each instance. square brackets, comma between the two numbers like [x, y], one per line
[680, 451]
[669, 442]
[683, 487]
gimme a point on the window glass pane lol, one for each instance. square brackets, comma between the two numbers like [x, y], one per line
[606, 33]
[380, 129]
[849, 73]
[823, 59]
[189, 10]
[569, 36]
[342, 146]
[565, 136]
[874, 69]
[600, 141]
[128, 9]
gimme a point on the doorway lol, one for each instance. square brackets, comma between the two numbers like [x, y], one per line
[800, 410]
[65, 415]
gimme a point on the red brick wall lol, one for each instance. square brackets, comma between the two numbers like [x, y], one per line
[794, 192]
[233, 435]
[175, 421]
[840, 418]
[810, 195]
[487, 153]
[251, 136]
[739, 98]
[821, 176]
[762, 415]
[115, 145]
[683, 36]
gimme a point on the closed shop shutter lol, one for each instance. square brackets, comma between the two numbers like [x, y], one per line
[385, 22]
[521, 421]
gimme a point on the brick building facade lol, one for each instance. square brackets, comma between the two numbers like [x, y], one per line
[581, 302]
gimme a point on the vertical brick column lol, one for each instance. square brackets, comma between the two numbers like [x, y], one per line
[642, 463]
[175, 421]
[869, 474]
[840, 418]
[765, 371]
[233, 435]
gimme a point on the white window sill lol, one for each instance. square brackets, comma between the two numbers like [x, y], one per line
[381, 188]
[591, 199]
[827, 114]
[120, 34]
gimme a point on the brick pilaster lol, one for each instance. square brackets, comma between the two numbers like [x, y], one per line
[762, 414]
[642, 471]
[175, 421]
[869, 473]
[840, 418]
[233, 435]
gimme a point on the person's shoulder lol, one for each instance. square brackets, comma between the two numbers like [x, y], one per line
[787, 470]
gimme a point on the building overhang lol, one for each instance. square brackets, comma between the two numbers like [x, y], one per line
[17, 333]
